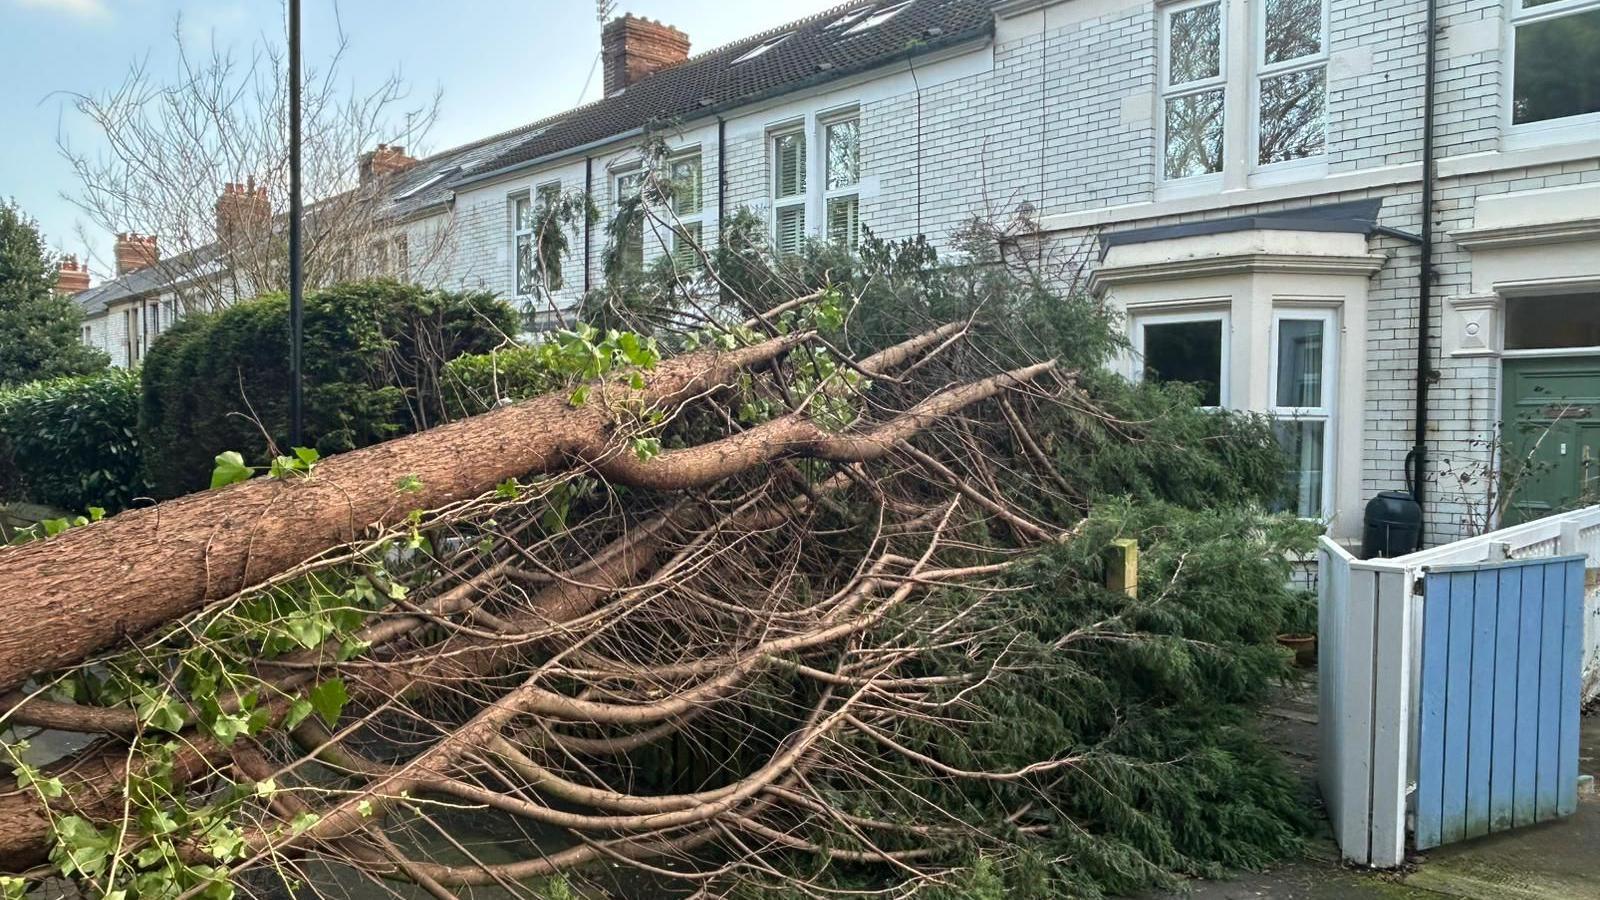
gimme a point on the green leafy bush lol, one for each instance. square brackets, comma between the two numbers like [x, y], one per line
[73, 443]
[374, 356]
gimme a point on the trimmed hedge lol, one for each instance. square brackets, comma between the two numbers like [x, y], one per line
[73, 443]
[374, 354]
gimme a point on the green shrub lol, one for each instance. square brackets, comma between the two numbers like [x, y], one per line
[374, 354]
[72, 443]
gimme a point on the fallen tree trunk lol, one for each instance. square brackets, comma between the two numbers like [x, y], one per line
[86, 590]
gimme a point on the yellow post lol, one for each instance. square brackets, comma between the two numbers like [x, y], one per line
[1122, 569]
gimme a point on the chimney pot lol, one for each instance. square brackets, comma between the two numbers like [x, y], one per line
[136, 251]
[388, 159]
[635, 48]
[72, 277]
[242, 210]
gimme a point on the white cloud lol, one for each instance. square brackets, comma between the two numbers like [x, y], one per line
[88, 9]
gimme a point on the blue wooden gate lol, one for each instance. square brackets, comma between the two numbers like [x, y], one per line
[1499, 702]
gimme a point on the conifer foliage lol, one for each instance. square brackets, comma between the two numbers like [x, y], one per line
[796, 591]
[39, 329]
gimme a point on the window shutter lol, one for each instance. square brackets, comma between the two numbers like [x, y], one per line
[789, 161]
[844, 221]
[791, 228]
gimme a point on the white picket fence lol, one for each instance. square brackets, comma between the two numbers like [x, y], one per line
[1370, 634]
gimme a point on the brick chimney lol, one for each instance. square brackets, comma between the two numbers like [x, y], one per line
[135, 252]
[241, 210]
[73, 276]
[634, 48]
[385, 161]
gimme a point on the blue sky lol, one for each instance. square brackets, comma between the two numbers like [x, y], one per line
[499, 63]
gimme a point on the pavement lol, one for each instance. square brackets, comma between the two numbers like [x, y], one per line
[1553, 861]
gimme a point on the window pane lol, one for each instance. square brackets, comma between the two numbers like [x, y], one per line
[1194, 44]
[1299, 363]
[1293, 29]
[789, 165]
[1292, 115]
[628, 185]
[1557, 68]
[1303, 440]
[790, 229]
[844, 221]
[524, 265]
[1194, 134]
[844, 153]
[686, 246]
[1186, 351]
[1548, 323]
[686, 194]
[524, 214]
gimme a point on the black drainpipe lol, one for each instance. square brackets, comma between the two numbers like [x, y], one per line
[1417, 459]
[588, 242]
[722, 169]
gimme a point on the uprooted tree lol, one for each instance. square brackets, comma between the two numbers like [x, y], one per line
[810, 609]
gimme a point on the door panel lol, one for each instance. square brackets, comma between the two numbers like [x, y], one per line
[1551, 433]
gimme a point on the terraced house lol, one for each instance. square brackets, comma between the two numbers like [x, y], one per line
[1376, 221]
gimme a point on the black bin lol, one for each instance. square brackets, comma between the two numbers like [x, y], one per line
[1393, 525]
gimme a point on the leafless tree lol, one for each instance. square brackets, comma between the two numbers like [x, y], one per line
[201, 162]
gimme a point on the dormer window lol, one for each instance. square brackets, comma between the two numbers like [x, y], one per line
[878, 18]
[763, 47]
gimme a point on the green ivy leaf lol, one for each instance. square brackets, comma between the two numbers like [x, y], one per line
[298, 710]
[328, 698]
[230, 469]
[410, 484]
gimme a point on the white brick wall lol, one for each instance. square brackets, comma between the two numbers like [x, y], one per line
[1057, 115]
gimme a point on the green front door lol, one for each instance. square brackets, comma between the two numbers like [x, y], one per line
[1551, 434]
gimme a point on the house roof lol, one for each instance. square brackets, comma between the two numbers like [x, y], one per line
[841, 41]
[847, 39]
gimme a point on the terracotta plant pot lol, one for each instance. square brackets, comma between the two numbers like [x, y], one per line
[1304, 647]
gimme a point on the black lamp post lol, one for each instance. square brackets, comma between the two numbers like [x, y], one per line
[296, 272]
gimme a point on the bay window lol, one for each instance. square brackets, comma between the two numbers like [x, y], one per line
[1555, 68]
[789, 191]
[1186, 347]
[1302, 383]
[842, 139]
[549, 196]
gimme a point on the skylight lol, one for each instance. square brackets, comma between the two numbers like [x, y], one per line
[878, 18]
[850, 17]
[763, 47]
[426, 184]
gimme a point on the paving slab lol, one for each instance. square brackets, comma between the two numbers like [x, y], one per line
[1553, 861]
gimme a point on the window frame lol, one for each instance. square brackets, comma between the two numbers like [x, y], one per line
[695, 219]
[1328, 412]
[1166, 92]
[851, 190]
[517, 233]
[1141, 320]
[802, 199]
[1550, 131]
[1263, 70]
[618, 177]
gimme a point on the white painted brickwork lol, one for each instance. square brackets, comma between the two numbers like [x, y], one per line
[1057, 116]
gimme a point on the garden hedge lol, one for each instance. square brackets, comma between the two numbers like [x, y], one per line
[374, 353]
[73, 443]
